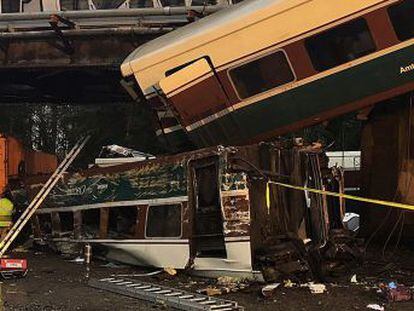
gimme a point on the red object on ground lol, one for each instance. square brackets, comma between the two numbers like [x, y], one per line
[401, 293]
[10, 268]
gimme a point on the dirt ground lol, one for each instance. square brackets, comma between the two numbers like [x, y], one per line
[54, 283]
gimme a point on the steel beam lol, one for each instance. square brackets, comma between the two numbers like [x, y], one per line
[44, 34]
[10, 17]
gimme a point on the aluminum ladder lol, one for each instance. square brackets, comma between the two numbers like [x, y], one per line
[171, 297]
[41, 196]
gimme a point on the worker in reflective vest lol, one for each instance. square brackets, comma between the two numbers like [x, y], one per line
[6, 214]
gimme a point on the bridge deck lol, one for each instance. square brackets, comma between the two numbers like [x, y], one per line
[65, 55]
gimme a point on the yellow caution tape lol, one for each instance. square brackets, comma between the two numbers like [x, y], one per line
[347, 196]
[268, 198]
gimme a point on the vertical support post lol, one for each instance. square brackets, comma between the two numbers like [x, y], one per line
[140, 222]
[104, 222]
[37, 232]
[77, 224]
[56, 227]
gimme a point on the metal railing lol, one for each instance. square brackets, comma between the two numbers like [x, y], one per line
[36, 6]
[139, 21]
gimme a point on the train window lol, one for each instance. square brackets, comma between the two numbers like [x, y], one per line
[74, 5]
[140, 4]
[10, 6]
[31, 6]
[203, 2]
[107, 4]
[340, 45]
[173, 2]
[262, 74]
[164, 221]
[401, 16]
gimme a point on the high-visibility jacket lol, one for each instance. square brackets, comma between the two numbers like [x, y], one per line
[6, 212]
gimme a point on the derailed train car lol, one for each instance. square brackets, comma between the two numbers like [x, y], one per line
[210, 211]
[263, 68]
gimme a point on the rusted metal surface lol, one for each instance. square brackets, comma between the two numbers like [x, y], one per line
[17, 163]
[236, 211]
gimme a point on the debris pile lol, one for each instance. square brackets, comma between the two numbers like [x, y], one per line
[225, 285]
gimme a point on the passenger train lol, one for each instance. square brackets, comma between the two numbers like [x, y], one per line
[31, 6]
[263, 68]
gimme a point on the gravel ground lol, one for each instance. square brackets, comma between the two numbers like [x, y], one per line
[54, 283]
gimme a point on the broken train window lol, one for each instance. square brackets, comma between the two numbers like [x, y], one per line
[164, 221]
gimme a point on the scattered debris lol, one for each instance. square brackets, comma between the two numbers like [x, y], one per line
[225, 285]
[113, 151]
[375, 307]
[79, 260]
[288, 284]
[211, 291]
[354, 279]
[138, 274]
[317, 288]
[113, 265]
[21, 249]
[394, 292]
[171, 271]
[269, 290]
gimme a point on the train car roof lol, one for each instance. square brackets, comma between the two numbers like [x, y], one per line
[234, 19]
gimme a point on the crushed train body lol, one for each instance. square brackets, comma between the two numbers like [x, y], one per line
[209, 211]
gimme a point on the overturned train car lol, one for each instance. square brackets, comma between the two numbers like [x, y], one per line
[263, 68]
[210, 211]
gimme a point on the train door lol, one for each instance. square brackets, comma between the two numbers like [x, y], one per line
[208, 237]
[195, 92]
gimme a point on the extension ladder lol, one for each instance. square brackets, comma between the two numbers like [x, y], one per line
[171, 297]
[41, 196]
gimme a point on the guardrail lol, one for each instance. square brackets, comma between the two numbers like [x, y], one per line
[164, 11]
[100, 22]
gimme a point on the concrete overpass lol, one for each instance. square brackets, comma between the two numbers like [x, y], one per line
[74, 56]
